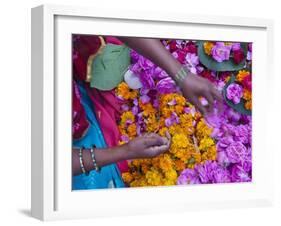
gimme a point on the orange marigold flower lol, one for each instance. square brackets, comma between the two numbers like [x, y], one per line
[208, 46]
[247, 94]
[242, 74]
[248, 105]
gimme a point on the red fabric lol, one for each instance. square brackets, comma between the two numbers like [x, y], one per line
[106, 106]
[83, 47]
[113, 40]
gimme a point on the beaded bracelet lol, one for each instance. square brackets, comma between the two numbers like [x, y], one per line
[96, 167]
[181, 75]
[81, 161]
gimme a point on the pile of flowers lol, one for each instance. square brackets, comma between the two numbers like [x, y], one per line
[223, 51]
[215, 149]
[240, 89]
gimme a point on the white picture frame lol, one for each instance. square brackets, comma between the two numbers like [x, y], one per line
[52, 197]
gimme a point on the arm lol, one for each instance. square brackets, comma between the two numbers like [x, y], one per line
[194, 86]
[147, 146]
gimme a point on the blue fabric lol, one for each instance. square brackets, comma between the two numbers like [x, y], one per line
[109, 175]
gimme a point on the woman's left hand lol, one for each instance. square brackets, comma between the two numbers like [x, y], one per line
[148, 146]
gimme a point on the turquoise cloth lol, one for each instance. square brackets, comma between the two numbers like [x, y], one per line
[109, 175]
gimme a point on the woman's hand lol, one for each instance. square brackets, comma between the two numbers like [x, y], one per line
[194, 87]
[148, 146]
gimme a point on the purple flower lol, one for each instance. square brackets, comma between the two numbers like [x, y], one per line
[241, 134]
[188, 176]
[159, 73]
[238, 174]
[145, 99]
[145, 63]
[174, 119]
[224, 142]
[234, 92]
[125, 138]
[146, 80]
[135, 110]
[223, 159]
[166, 85]
[249, 55]
[134, 55]
[236, 152]
[173, 102]
[156, 103]
[135, 102]
[236, 46]
[221, 175]
[125, 107]
[205, 172]
[191, 62]
[232, 115]
[221, 52]
[168, 122]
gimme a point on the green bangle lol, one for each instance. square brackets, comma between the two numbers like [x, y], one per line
[181, 75]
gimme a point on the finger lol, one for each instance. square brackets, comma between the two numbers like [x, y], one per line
[168, 135]
[153, 141]
[217, 95]
[198, 105]
[210, 99]
[156, 150]
[219, 99]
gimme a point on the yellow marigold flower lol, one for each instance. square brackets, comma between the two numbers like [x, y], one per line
[132, 130]
[127, 115]
[179, 109]
[127, 177]
[179, 141]
[227, 43]
[206, 143]
[179, 165]
[148, 109]
[209, 154]
[247, 94]
[242, 74]
[202, 130]
[166, 112]
[145, 168]
[193, 160]
[169, 182]
[208, 46]
[166, 162]
[176, 129]
[162, 131]
[171, 175]
[124, 91]
[153, 177]
[156, 162]
[182, 154]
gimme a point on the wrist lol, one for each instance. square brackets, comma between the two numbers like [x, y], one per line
[181, 75]
[122, 152]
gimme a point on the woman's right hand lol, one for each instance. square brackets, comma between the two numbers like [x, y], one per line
[148, 146]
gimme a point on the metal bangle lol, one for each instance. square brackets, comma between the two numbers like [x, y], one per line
[96, 167]
[81, 161]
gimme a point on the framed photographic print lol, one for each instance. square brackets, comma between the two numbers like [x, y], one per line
[141, 112]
